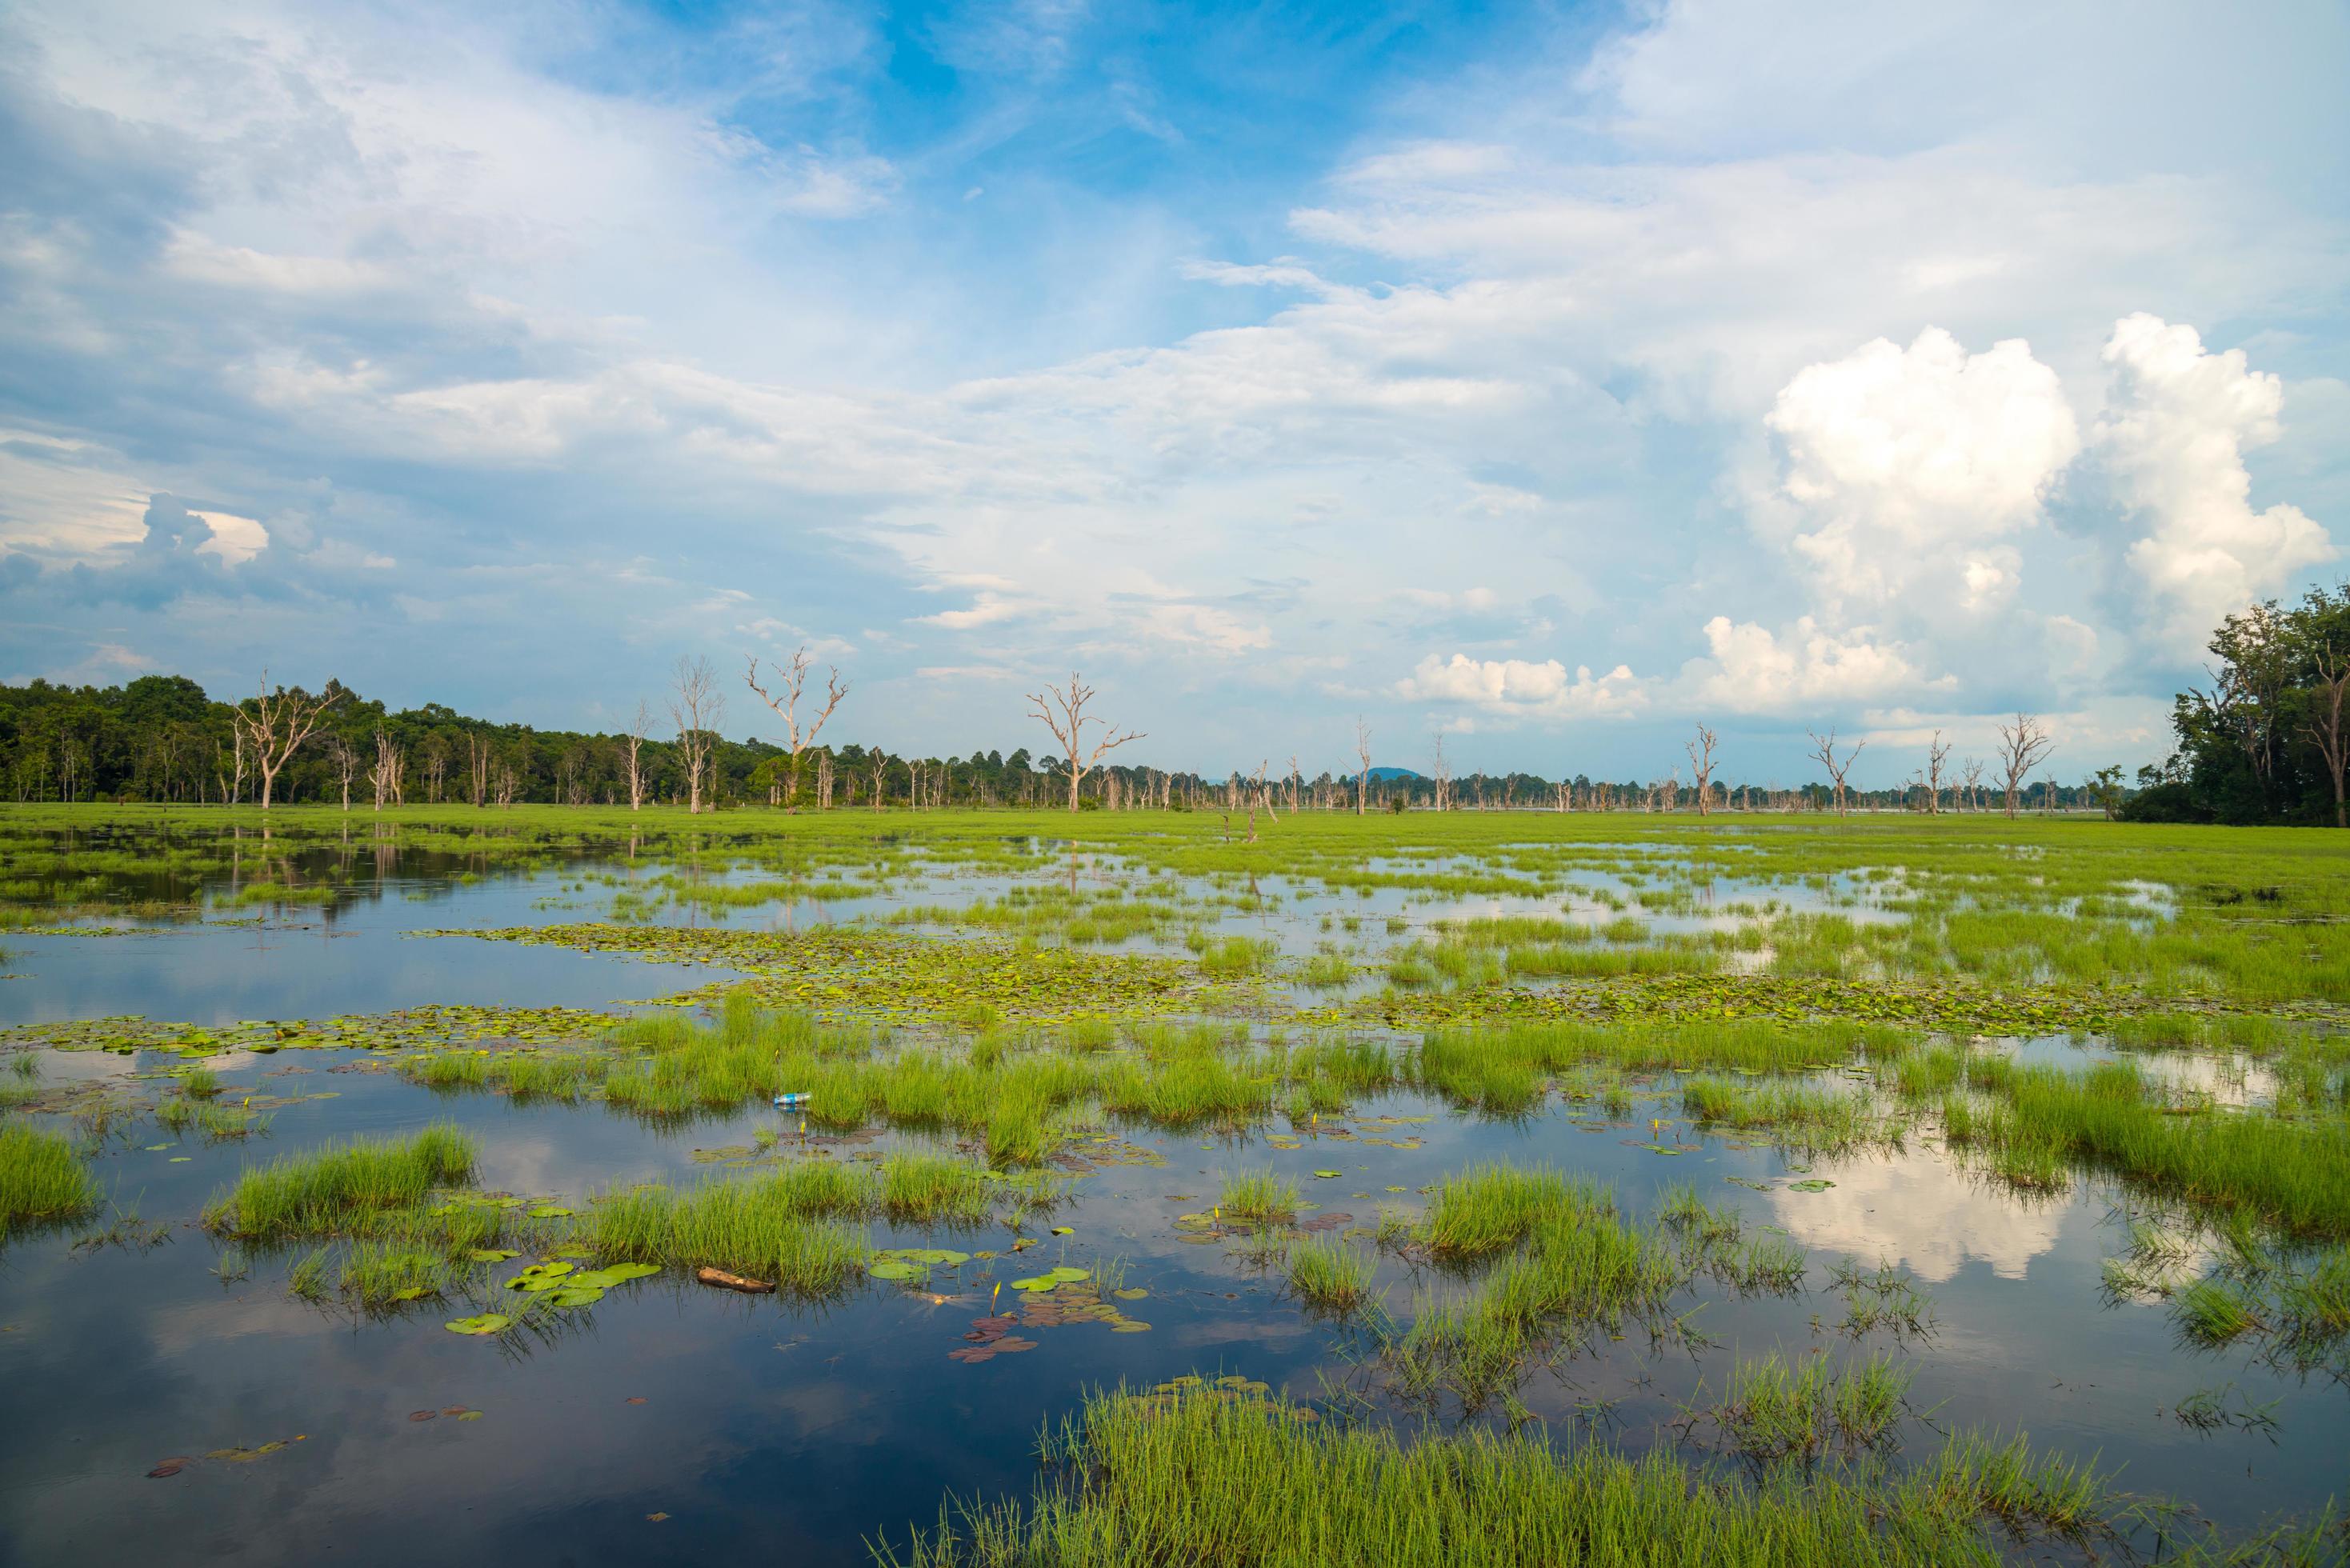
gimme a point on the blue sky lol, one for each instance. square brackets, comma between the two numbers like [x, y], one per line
[1549, 377]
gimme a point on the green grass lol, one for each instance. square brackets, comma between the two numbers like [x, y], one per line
[42, 1180]
[1773, 1411]
[342, 1186]
[757, 1228]
[1195, 1477]
[1491, 1207]
[2111, 1118]
[1823, 1121]
[1330, 1275]
[1259, 1196]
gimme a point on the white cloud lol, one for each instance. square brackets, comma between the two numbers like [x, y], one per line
[2173, 440]
[235, 539]
[1903, 465]
[1753, 670]
[1519, 688]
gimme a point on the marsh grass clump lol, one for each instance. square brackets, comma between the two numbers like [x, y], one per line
[1491, 1207]
[1773, 1411]
[341, 1187]
[758, 1229]
[1820, 1120]
[1259, 1196]
[2216, 1310]
[2111, 1118]
[42, 1180]
[1330, 1275]
[1196, 1475]
[934, 1189]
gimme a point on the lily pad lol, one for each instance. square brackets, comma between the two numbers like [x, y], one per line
[1329, 1175]
[1814, 1184]
[552, 1211]
[1068, 1276]
[897, 1269]
[1130, 1295]
[487, 1323]
[574, 1295]
[489, 1255]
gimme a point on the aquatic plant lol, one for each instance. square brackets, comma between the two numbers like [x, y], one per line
[42, 1180]
[1200, 1474]
[1329, 1275]
[757, 1228]
[341, 1186]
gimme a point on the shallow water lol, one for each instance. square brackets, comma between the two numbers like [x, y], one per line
[801, 1431]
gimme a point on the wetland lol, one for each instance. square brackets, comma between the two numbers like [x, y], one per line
[995, 1186]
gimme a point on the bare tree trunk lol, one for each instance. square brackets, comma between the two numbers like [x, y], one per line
[1701, 755]
[697, 707]
[2023, 745]
[278, 722]
[1062, 711]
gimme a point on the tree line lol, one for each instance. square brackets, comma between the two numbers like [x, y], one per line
[162, 739]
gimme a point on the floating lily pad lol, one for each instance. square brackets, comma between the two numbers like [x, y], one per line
[897, 1269]
[1814, 1184]
[1329, 1175]
[572, 1294]
[551, 1211]
[1130, 1295]
[489, 1255]
[487, 1323]
[1036, 1282]
[1067, 1275]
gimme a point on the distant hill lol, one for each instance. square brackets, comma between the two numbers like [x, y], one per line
[1388, 776]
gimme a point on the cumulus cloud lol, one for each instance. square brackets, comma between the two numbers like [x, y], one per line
[1905, 465]
[1521, 689]
[1750, 668]
[2173, 440]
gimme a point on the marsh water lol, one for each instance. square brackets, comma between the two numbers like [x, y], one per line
[673, 1422]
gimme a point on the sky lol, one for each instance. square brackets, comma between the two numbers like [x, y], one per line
[1551, 379]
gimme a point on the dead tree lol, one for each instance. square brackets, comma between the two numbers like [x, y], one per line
[436, 769]
[2021, 746]
[346, 760]
[384, 777]
[1938, 752]
[880, 763]
[1064, 713]
[1363, 752]
[696, 706]
[1441, 769]
[639, 727]
[786, 700]
[2326, 730]
[278, 722]
[1293, 784]
[1826, 752]
[1973, 773]
[1701, 756]
[477, 768]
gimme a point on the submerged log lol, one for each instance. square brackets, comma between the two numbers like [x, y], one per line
[720, 1278]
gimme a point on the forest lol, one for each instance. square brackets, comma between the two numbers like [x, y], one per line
[163, 738]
